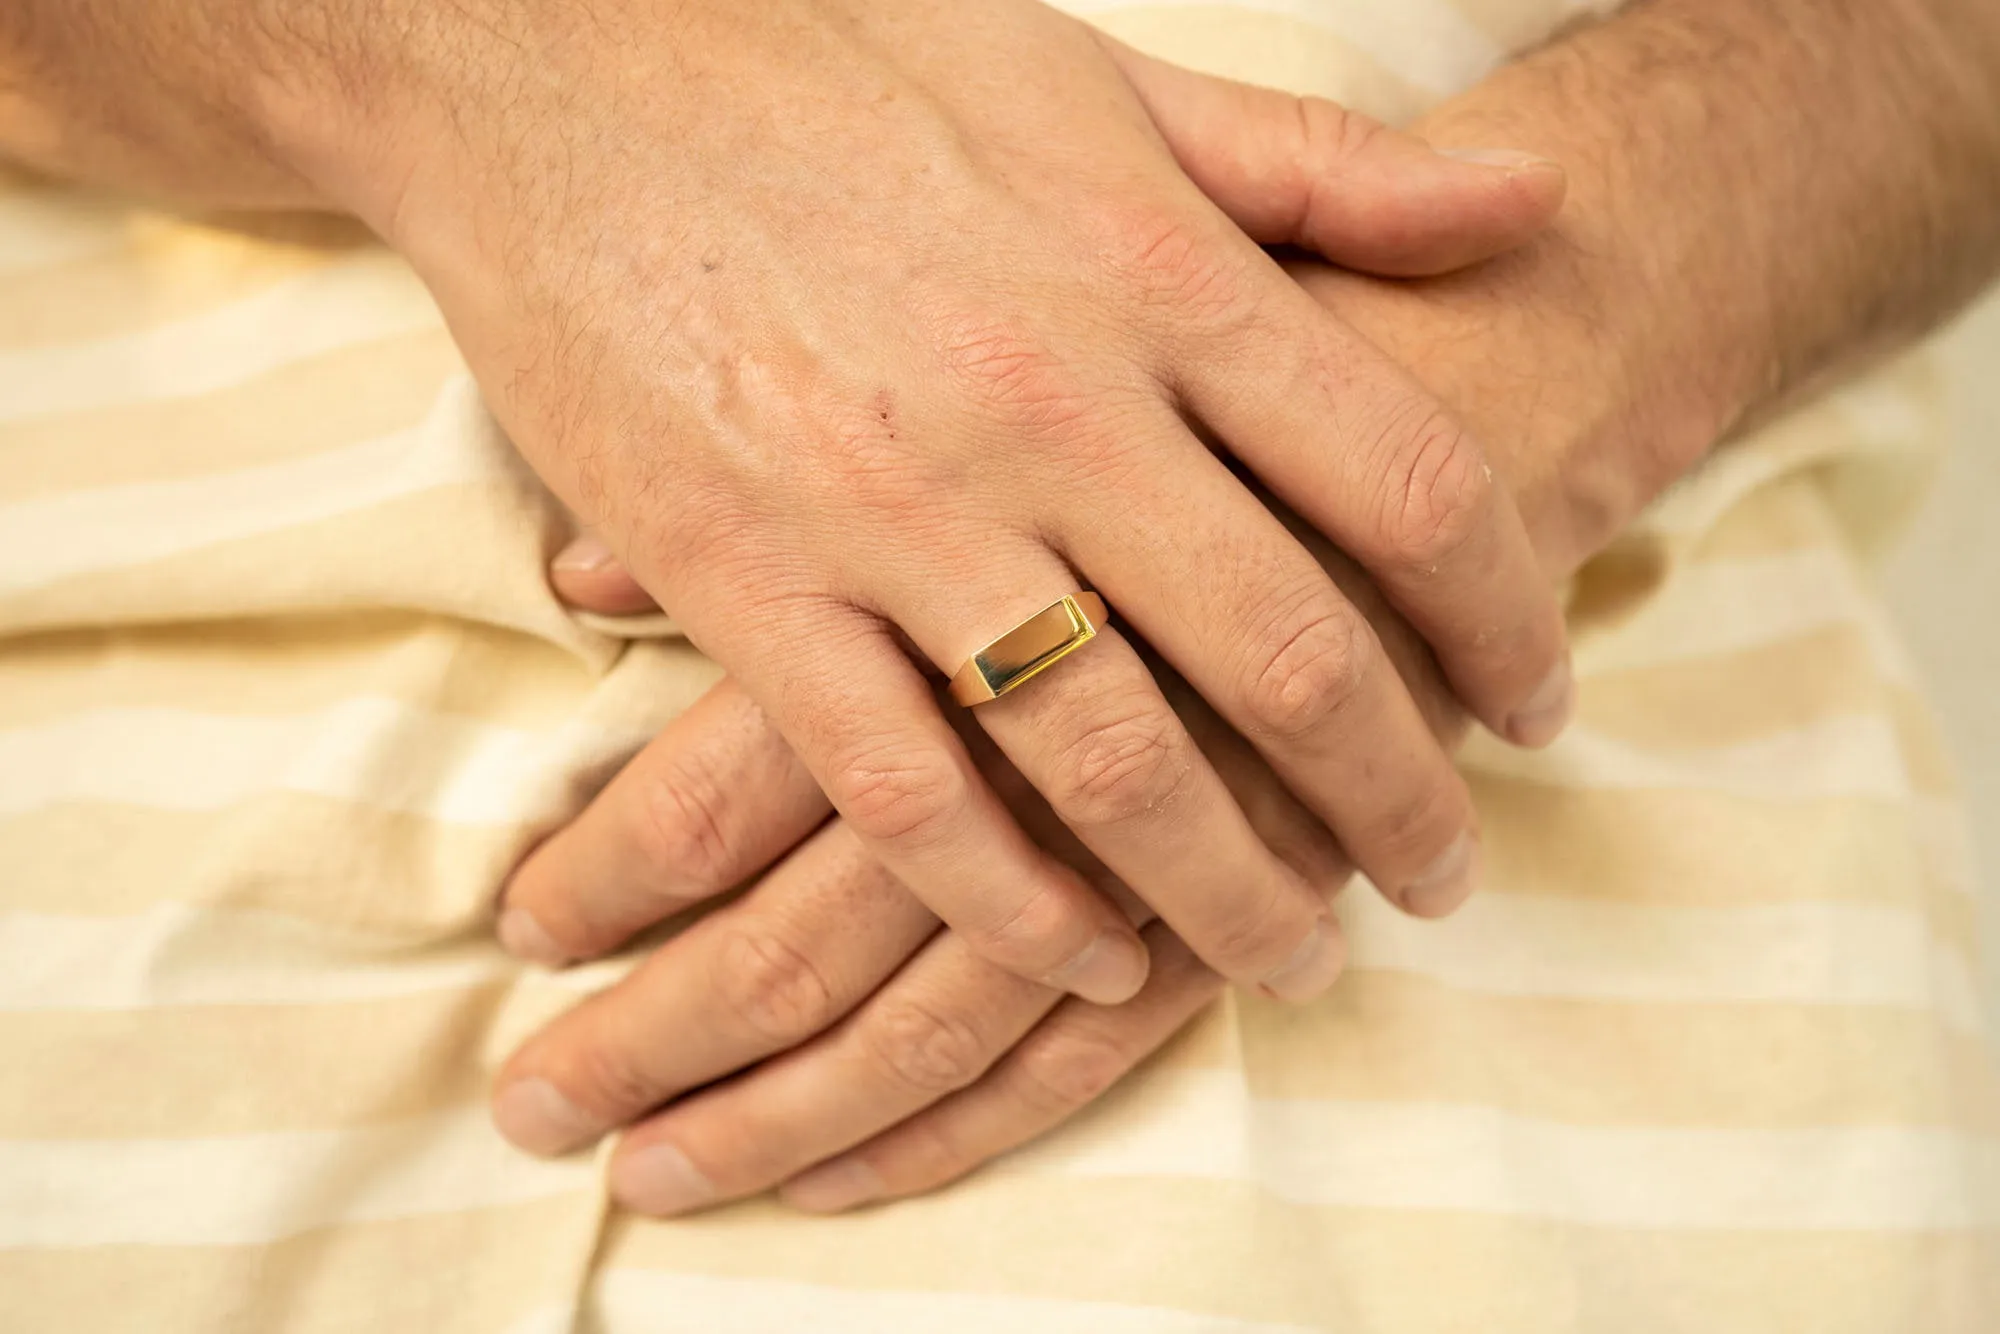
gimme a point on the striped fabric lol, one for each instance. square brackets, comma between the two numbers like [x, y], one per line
[283, 694]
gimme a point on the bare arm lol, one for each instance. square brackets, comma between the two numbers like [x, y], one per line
[1761, 196]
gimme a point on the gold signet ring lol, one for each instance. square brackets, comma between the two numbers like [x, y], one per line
[1030, 648]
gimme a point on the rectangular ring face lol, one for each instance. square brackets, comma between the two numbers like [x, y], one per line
[1035, 644]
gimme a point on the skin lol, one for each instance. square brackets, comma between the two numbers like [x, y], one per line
[829, 418]
[1807, 230]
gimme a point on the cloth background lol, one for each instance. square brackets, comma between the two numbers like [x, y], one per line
[283, 694]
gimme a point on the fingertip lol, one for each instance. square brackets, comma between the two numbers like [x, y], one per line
[522, 936]
[1110, 970]
[1462, 208]
[1539, 721]
[1444, 886]
[586, 575]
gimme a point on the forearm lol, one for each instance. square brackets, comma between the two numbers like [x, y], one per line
[1760, 195]
[146, 96]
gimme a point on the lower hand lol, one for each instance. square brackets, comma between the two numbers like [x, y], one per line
[864, 1052]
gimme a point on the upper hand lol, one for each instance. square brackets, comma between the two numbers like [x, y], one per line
[841, 320]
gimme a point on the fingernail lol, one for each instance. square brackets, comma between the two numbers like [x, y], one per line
[1110, 970]
[585, 554]
[660, 1180]
[1542, 719]
[1313, 965]
[832, 1187]
[535, 1116]
[1511, 159]
[1446, 882]
[522, 936]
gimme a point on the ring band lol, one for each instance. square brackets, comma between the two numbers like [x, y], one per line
[1030, 648]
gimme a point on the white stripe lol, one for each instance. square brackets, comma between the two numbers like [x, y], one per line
[1426, 43]
[253, 1189]
[1708, 608]
[1403, 1155]
[74, 533]
[360, 299]
[176, 955]
[1799, 953]
[1831, 954]
[381, 752]
[247, 1190]
[1855, 756]
[637, 1301]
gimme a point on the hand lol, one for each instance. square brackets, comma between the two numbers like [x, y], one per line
[933, 389]
[871, 1054]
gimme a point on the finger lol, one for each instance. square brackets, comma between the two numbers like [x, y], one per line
[868, 726]
[1068, 1061]
[805, 945]
[934, 1029]
[1305, 171]
[1097, 739]
[587, 575]
[715, 798]
[1367, 457]
[1259, 628]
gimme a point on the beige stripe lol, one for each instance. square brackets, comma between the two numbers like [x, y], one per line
[1762, 692]
[231, 1070]
[367, 296]
[295, 665]
[630, 1301]
[1235, 1251]
[168, 270]
[1399, 1038]
[474, 1272]
[400, 874]
[410, 875]
[1452, 1157]
[353, 393]
[55, 538]
[1712, 848]
[43, 225]
[385, 555]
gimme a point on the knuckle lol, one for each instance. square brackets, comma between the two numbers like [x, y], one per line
[908, 796]
[607, 1077]
[875, 466]
[1335, 134]
[1011, 371]
[771, 987]
[1416, 825]
[923, 1048]
[1259, 932]
[1316, 670]
[1128, 764]
[1031, 937]
[680, 827]
[1438, 491]
[1176, 263]
[1062, 1072]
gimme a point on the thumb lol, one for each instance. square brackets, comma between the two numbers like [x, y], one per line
[1308, 172]
[588, 576]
